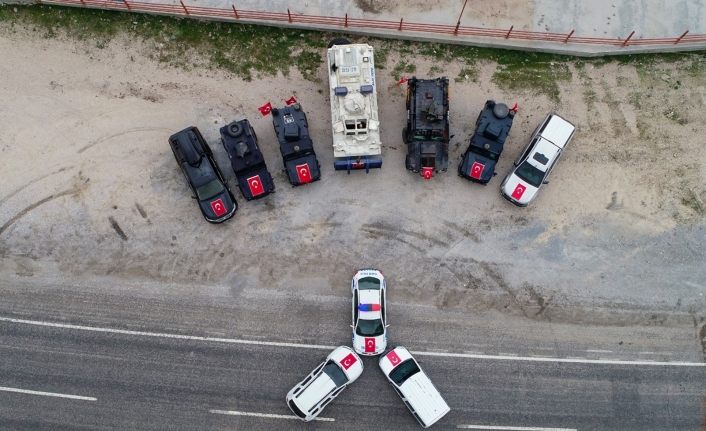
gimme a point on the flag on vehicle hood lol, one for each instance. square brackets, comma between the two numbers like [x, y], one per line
[348, 361]
[303, 173]
[218, 208]
[370, 345]
[255, 185]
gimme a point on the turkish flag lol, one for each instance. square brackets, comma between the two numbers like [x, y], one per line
[477, 170]
[519, 190]
[290, 101]
[348, 361]
[218, 208]
[255, 185]
[265, 109]
[402, 80]
[303, 173]
[427, 173]
[393, 358]
[370, 345]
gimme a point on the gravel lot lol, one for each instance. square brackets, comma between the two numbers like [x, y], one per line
[91, 193]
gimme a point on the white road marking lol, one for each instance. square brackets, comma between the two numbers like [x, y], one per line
[265, 415]
[504, 428]
[599, 351]
[325, 347]
[47, 394]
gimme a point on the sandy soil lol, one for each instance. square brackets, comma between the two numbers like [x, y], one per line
[90, 190]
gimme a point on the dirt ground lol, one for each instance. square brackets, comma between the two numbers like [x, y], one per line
[90, 190]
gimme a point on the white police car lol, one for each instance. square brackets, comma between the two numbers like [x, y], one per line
[309, 397]
[537, 160]
[369, 314]
[414, 387]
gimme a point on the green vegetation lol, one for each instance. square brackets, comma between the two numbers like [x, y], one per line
[693, 201]
[240, 49]
[248, 50]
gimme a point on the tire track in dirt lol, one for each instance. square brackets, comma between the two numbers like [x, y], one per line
[31, 207]
[19, 189]
[123, 133]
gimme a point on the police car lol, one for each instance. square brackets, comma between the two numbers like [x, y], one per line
[369, 315]
[414, 387]
[309, 397]
[537, 160]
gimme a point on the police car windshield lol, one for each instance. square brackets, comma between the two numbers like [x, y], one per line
[209, 190]
[337, 375]
[368, 283]
[530, 174]
[404, 371]
[370, 328]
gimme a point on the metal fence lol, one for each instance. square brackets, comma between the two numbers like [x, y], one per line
[252, 16]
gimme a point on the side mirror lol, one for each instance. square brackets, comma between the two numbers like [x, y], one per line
[545, 182]
[193, 197]
[351, 326]
[515, 163]
[495, 173]
[387, 326]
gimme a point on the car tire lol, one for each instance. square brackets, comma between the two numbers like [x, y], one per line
[407, 163]
[234, 129]
[404, 135]
[339, 41]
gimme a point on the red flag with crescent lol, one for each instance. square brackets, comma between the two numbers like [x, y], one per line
[218, 208]
[291, 101]
[265, 109]
[427, 173]
[519, 190]
[348, 361]
[393, 358]
[255, 185]
[370, 345]
[477, 170]
[303, 173]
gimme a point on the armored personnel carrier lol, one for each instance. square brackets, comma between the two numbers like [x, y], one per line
[354, 106]
[427, 131]
[492, 127]
[292, 130]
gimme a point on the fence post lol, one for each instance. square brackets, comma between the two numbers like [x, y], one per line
[345, 24]
[681, 37]
[127, 5]
[400, 28]
[568, 36]
[509, 31]
[625, 42]
[458, 22]
[289, 15]
[235, 11]
[184, 6]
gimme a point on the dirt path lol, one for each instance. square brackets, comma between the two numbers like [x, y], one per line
[90, 189]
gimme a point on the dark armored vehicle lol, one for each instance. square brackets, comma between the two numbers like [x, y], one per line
[240, 142]
[492, 127]
[295, 144]
[427, 131]
[203, 175]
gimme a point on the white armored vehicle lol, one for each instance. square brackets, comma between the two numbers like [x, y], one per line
[354, 106]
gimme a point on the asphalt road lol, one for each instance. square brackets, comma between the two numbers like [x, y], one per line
[142, 381]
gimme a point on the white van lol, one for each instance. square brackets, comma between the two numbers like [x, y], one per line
[412, 384]
[309, 397]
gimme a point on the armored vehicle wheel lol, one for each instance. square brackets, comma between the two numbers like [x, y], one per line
[407, 163]
[234, 129]
[404, 135]
[339, 41]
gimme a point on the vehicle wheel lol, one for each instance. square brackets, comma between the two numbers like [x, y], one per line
[234, 129]
[407, 163]
[404, 135]
[339, 41]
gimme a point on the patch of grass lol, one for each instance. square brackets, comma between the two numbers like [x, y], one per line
[240, 49]
[674, 115]
[435, 70]
[467, 74]
[402, 67]
[693, 201]
[539, 78]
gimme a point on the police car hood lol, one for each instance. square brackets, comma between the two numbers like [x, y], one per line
[518, 189]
